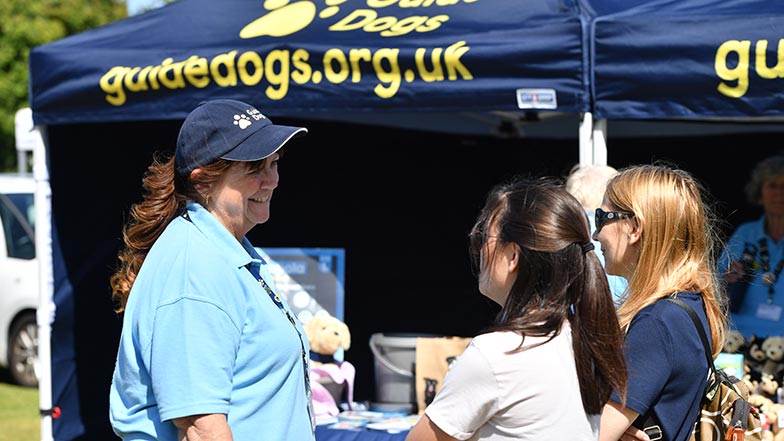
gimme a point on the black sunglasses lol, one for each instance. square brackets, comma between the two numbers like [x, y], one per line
[602, 217]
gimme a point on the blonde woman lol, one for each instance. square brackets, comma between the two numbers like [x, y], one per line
[657, 231]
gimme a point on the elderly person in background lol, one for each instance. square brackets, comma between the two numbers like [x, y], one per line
[754, 257]
[587, 183]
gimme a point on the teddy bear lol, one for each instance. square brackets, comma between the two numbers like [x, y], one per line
[767, 386]
[326, 335]
[764, 406]
[775, 415]
[754, 355]
[773, 346]
[331, 380]
[735, 342]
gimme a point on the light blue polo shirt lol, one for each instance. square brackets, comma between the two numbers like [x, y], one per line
[200, 336]
[751, 318]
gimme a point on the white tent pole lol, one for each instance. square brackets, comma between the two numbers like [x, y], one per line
[586, 138]
[599, 142]
[43, 251]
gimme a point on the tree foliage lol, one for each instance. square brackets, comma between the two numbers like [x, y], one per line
[25, 24]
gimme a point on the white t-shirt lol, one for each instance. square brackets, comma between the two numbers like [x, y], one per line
[529, 395]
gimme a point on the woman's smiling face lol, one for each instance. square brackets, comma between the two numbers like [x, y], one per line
[241, 199]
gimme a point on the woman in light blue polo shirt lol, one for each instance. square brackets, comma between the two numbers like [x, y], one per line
[756, 287]
[208, 350]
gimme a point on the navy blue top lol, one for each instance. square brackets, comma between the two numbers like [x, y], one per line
[667, 366]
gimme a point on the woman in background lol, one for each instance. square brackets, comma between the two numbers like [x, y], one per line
[754, 258]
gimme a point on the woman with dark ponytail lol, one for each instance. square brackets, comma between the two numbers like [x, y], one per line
[547, 367]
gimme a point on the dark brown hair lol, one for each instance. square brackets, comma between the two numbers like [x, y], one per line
[560, 280]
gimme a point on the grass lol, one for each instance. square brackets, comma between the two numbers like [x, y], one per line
[19, 419]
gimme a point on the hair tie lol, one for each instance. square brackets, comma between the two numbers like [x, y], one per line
[587, 247]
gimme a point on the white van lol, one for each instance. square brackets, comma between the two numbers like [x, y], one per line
[18, 279]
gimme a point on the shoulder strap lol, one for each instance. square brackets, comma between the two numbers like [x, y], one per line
[697, 324]
[649, 418]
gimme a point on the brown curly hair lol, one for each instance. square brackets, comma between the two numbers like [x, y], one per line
[166, 193]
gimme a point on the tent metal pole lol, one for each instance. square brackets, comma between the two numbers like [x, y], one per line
[43, 251]
[586, 138]
[599, 141]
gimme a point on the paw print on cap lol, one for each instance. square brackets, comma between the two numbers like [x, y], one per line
[242, 121]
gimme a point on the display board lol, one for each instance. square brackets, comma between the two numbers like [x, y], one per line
[310, 279]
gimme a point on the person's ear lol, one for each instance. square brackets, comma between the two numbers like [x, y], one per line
[202, 188]
[512, 256]
[635, 233]
[194, 177]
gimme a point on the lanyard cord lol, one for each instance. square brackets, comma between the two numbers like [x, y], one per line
[767, 277]
[276, 299]
[308, 392]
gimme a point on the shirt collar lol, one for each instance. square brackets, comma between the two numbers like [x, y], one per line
[238, 254]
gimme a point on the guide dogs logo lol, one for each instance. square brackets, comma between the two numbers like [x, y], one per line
[286, 18]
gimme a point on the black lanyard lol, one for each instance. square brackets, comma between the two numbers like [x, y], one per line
[308, 393]
[769, 278]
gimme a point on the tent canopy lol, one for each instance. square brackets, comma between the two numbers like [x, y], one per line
[666, 59]
[636, 59]
[300, 58]
[383, 59]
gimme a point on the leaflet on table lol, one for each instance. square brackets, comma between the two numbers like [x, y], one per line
[395, 425]
[389, 421]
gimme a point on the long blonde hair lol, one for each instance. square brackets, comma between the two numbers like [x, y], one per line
[679, 243]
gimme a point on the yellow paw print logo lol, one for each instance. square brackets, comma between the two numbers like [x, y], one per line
[286, 18]
[242, 121]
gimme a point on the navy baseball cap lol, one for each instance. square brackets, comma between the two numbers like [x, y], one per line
[228, 129]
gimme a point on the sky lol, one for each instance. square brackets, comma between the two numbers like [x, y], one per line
[136, 6]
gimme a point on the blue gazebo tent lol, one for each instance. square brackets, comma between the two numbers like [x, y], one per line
[381, 59]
